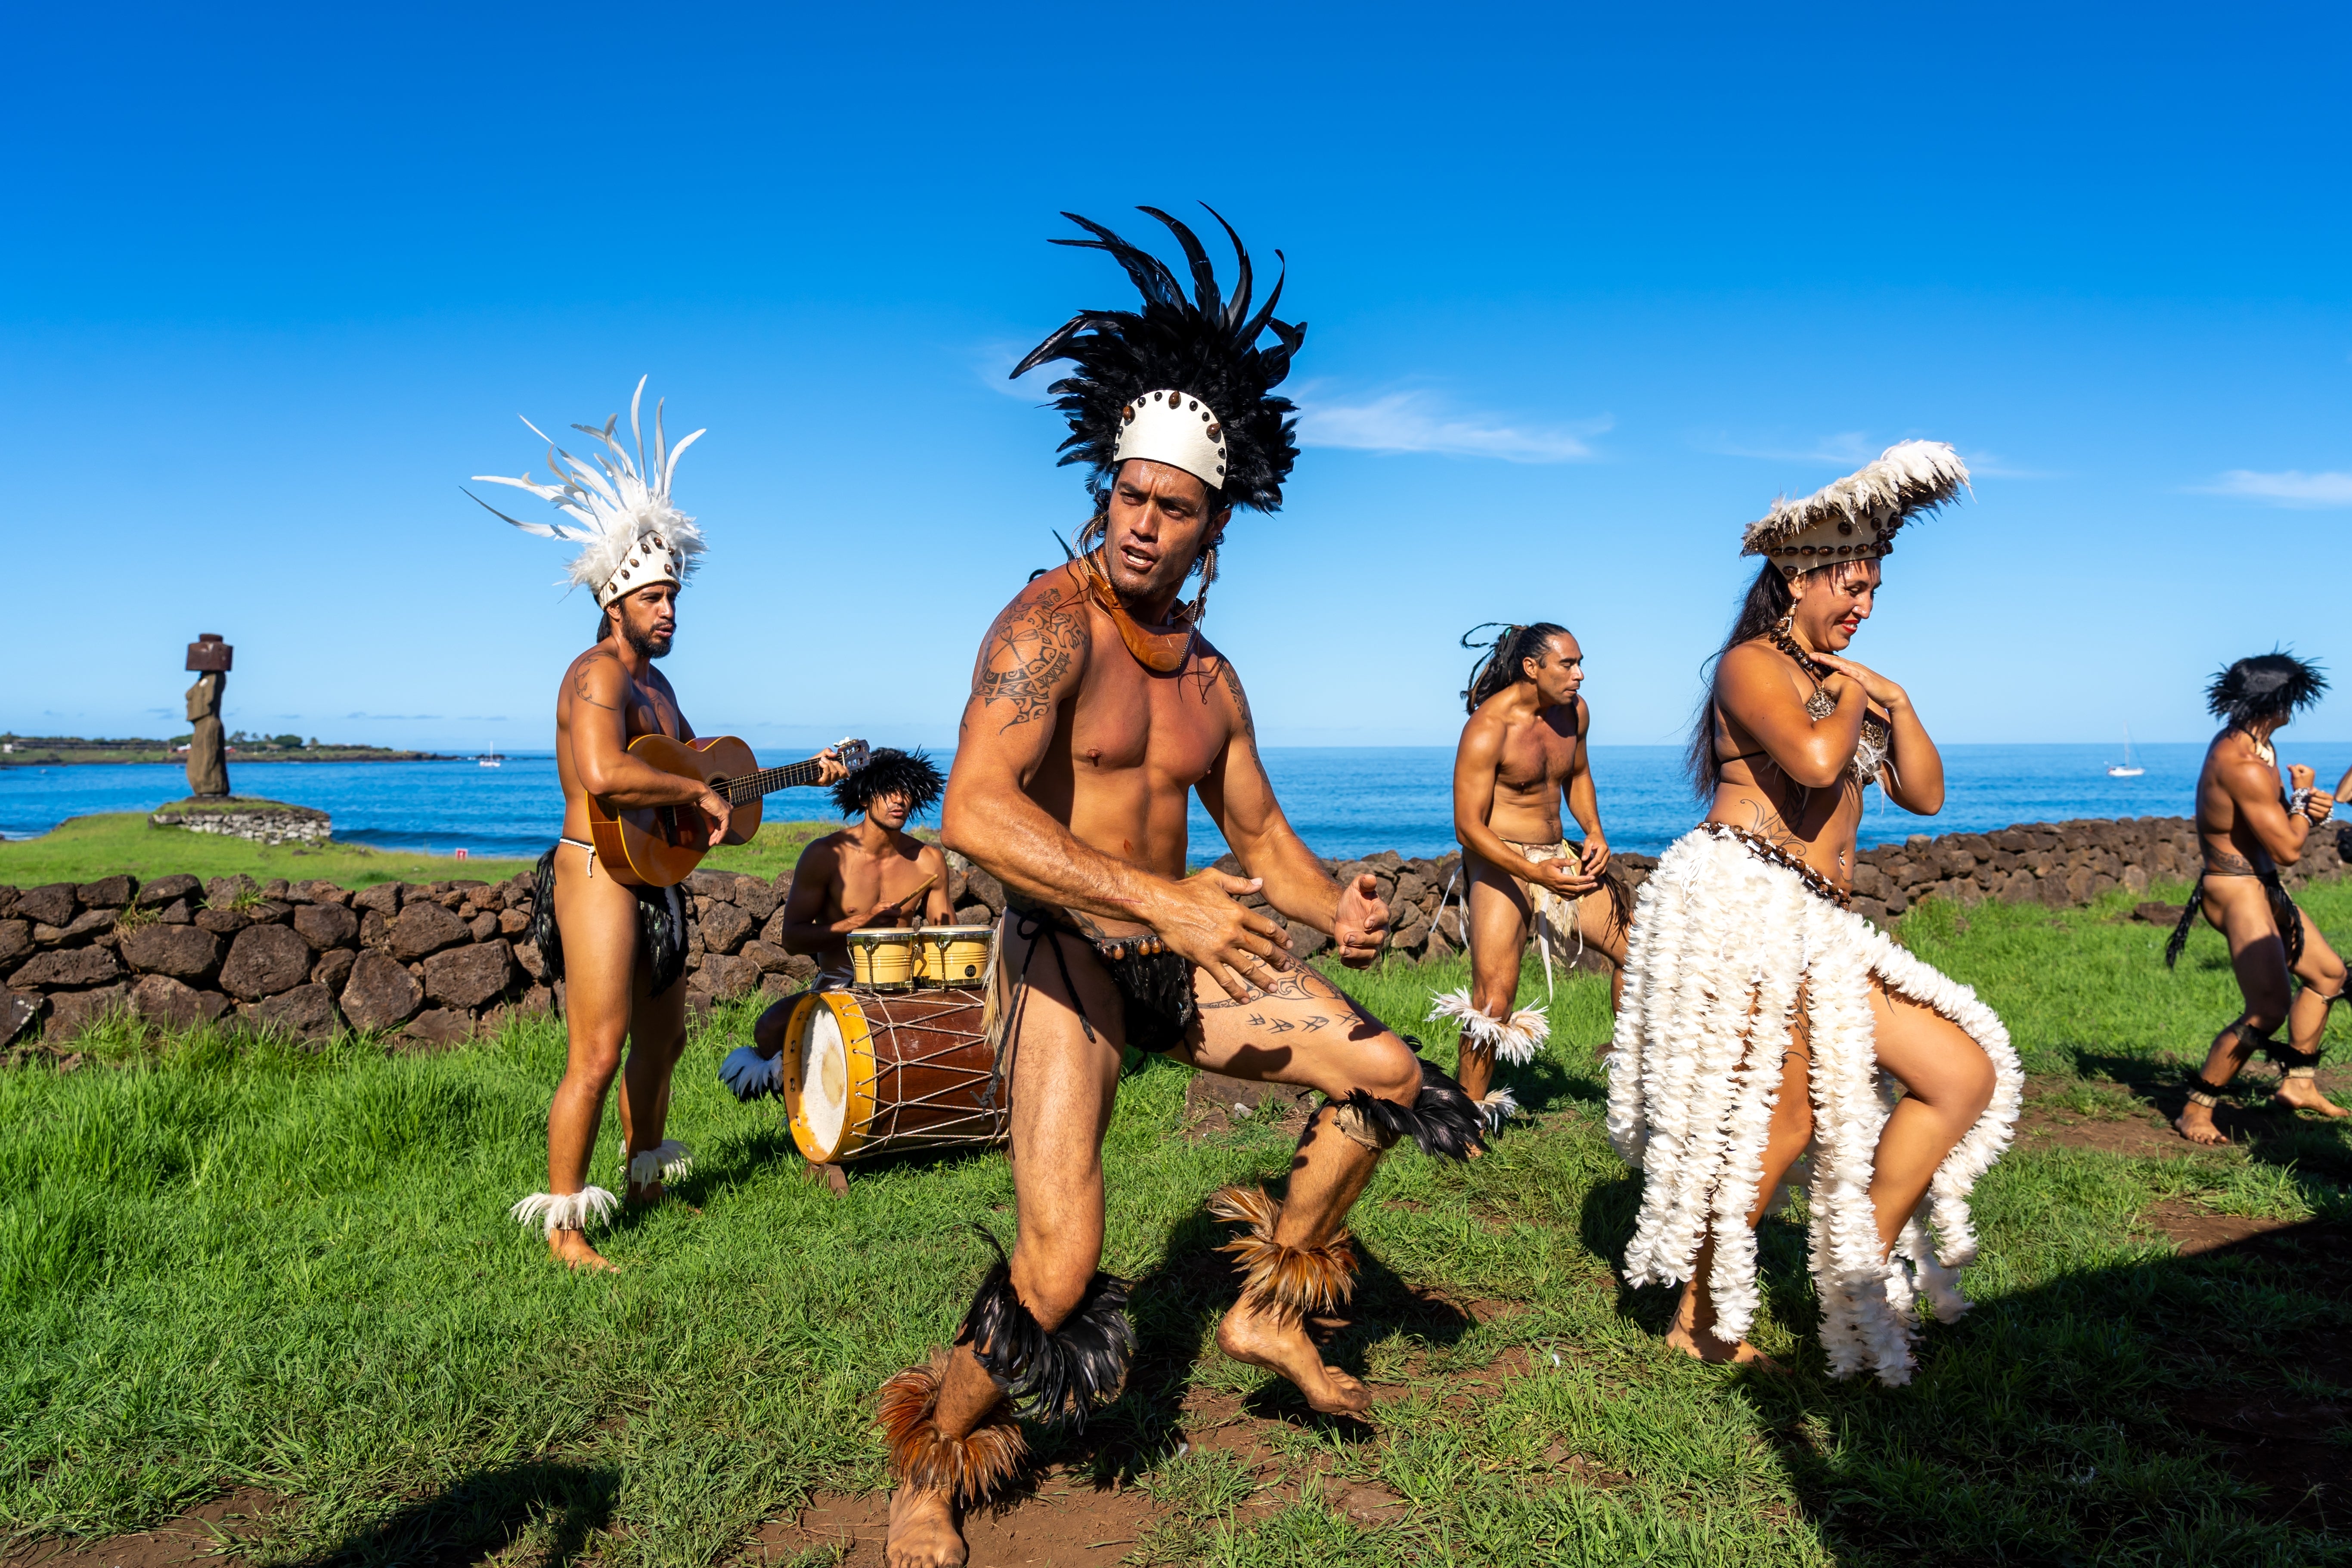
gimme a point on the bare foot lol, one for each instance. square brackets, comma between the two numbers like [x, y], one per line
[1706, 1347]
[2303, 1094]
[1261, 1336]
[571, 1247]
[2195, 1123]
[922, 1531]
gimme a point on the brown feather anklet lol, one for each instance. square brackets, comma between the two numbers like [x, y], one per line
[1294, 1281]
[971, 1467]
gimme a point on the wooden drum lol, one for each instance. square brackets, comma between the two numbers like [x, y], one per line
[952, 955]
[882, 958]
[867, 1074]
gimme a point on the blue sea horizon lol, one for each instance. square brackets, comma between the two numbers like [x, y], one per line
[1346, 802]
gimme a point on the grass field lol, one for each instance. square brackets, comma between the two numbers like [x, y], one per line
[292, 1271]
[85, 848]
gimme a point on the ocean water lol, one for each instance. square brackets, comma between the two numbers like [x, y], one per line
[1343, 801]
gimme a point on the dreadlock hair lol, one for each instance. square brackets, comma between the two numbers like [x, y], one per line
[891, 771]
[1205, 346]
[2274, 685]
[1503, 663]
[1767, 602]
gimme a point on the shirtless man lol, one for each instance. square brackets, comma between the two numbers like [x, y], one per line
[1522, 751]
[1097, 707]
[871, 874]
[2248, 828]
[620, 950]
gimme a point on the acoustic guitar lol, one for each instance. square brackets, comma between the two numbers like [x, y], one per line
[660, 846]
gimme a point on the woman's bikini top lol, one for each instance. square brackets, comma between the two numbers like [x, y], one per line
[1871, 748]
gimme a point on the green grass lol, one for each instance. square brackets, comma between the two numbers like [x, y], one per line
[224, 1264]
[85, 848]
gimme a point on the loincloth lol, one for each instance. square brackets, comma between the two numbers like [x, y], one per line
[661, 929]
[1154, 985]
[1729, 943]
[2283, 913]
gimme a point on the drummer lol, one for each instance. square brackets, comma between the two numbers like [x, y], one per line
[872, 872]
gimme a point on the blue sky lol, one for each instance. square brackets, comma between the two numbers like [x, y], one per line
[1585, 291]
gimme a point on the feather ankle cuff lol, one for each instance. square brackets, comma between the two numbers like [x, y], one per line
[665, 1162]
[971, 1468]
[1051, 1378]
[1516, 1039]
[1499, 1107]
[1442, 1119]
[564, 1211]
[751, 1075]
[1293, 1280]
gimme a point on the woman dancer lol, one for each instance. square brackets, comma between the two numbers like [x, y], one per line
[1761, 1016]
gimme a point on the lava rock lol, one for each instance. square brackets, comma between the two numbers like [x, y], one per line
[468, 976]
[265, 960]
[442, 1027]
[181, 952]
[107, 892]
[53, 905]
[71, 1012]
[222, 922]
[483, 926]
[383, 898]
[326, 926]
[164, 890]
[16, 941]
[380, 992]
[307, 1011]
[423, 928]
[755, 897]
[334, 969]
[724, 928]
[19, 1011]
[65, 967]
[771, 958]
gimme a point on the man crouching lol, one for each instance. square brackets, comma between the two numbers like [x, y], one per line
[1096, 706]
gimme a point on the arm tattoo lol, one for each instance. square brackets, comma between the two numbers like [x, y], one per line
[580, 689]
[1233, 680]
[1027, 656]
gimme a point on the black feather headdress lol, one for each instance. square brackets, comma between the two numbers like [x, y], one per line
[2274, 685]
[891, 771]
[1204, 346]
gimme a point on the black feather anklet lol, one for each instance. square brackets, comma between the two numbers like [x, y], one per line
[1442, 1119]
[1053, 1378]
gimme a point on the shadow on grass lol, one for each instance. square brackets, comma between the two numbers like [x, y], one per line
[2189, 1409]
[2271, 1133]
[483, 1515]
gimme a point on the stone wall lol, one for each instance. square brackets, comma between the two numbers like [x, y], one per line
[431, 965]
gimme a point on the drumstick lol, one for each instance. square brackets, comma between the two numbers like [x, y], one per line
[901, 903]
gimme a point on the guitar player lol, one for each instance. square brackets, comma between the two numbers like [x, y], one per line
[619, 942]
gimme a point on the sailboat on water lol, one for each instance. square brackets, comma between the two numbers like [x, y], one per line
[2126, 769]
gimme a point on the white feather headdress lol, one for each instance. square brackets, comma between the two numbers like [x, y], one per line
[630, 534]
[1855, 519]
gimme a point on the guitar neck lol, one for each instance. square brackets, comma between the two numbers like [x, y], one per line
[767, 781]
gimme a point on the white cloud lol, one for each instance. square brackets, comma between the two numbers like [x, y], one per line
[1847, 449]
[2291, 489]
[1421, 422]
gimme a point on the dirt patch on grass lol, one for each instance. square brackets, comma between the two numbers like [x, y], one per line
[1067, 1519]
[199, 1533]
[2115, 1119]
[2193, 1230]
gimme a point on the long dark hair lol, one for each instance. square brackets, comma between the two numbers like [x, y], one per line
[1766, 600]
[1498, 667]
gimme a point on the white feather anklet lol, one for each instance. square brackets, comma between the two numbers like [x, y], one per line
[751, 1075]
[564, 1211]
[1497, 1108]
[1515, 1040]
[665, 1162]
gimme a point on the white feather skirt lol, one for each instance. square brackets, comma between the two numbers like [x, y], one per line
[1723, 944]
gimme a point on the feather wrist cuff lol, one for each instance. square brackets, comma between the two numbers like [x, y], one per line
[1051, 1377]
[750, 1076]
[665, 1162]
[1442, 1119]
[969, 1468]
[564, 1211]
[1293, 1281]
[1516, 1039]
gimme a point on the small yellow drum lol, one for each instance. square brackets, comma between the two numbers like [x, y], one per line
[883, 957]
[951, 955]
[867, 1075]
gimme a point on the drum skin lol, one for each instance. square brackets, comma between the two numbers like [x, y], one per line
[916, 1071]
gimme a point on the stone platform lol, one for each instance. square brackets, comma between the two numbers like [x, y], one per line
[246, 816]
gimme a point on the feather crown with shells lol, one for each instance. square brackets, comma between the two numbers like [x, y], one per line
[1856, 518]
[2268, 686]
[1183, 380]
[631, 535]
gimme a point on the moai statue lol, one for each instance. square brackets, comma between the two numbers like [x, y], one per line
[207, 762]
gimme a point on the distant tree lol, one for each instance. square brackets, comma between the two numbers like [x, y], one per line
[291, 742]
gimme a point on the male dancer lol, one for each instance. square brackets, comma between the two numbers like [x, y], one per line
[2249, 828]
[872, 873]
[621, 951]
[1096, 706]
[1522, 751]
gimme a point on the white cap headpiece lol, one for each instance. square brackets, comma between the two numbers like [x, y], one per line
[1175, 429]
[630, 535]
[1855, 519]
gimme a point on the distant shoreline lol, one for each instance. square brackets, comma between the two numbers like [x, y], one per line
[239, 758]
